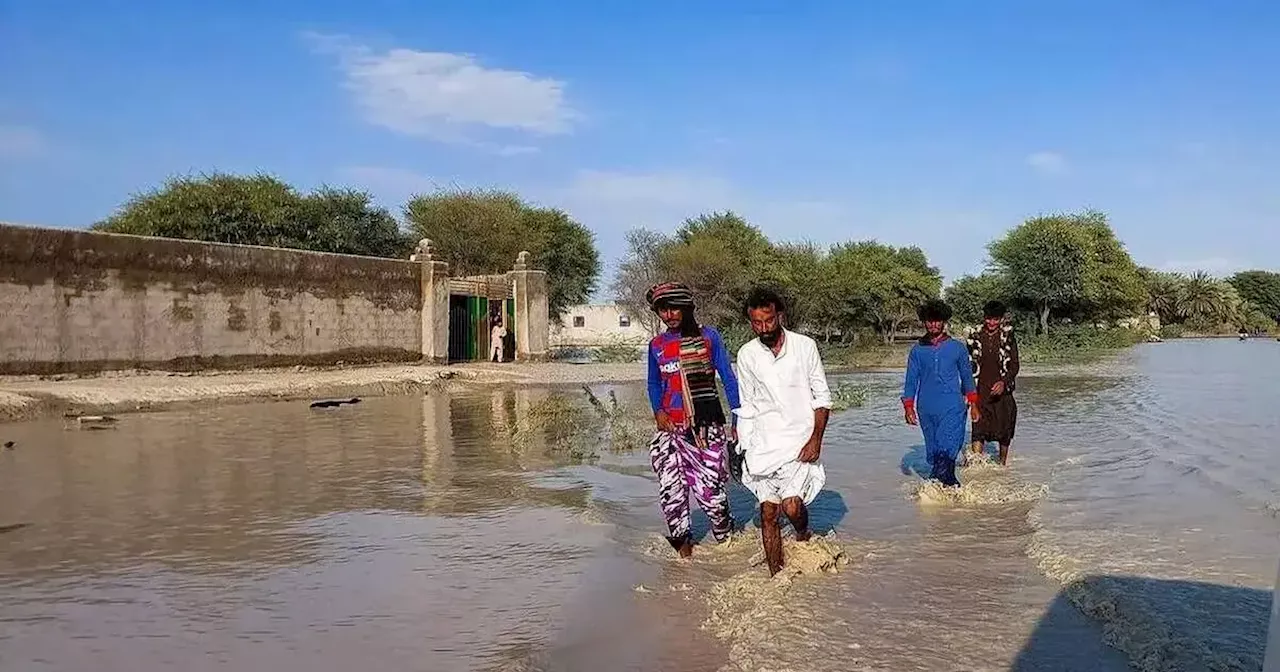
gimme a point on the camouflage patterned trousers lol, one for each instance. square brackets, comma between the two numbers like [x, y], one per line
[687, 464]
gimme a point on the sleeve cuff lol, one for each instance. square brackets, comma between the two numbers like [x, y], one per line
[972, 398]
[908, 402]
[817, 404]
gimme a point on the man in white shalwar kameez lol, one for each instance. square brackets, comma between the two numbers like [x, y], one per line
[785, 407]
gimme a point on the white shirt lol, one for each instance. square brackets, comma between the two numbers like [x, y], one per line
[779, 396]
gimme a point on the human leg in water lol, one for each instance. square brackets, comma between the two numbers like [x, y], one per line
[798, 514]
[706, 470]
[684, 464]
[771, 535]
[943, 440]
[673, 493]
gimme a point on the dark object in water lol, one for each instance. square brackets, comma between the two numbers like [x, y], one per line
[96, 422]
[331, 403]
[13, 528]
[8, 445]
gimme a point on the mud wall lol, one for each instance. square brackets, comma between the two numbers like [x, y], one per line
[78, 301]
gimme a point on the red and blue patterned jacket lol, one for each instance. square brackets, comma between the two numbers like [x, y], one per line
[666, 390]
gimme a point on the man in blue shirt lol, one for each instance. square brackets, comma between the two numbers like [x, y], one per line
[939, 388]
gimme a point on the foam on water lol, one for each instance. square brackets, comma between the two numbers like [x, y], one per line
[983, 481]
[764, 620]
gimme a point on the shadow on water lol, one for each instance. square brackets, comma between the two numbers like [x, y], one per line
[915, 462]
[826, 511]
[1225, 626]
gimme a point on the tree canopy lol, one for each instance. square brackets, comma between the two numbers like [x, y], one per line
[482, 231]
[260, 210]
[1206, 304]
[831, 293]
[1260, 288]
[477, 231]
[1068, 266]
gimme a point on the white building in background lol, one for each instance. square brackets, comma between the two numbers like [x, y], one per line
[597, 325]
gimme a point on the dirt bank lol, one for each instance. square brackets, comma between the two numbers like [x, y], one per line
[23, 398]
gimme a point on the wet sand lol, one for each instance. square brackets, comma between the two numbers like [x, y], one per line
[24, 398]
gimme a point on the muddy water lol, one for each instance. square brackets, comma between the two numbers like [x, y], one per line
[401, 532]
[1135, 527]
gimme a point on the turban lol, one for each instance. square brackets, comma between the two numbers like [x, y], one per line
[934, 309]
[671, 294]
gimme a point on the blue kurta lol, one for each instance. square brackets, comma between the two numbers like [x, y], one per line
[939, 379]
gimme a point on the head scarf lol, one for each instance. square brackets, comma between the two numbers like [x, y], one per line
[673, 294]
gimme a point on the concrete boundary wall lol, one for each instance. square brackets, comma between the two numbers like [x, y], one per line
[80, 301]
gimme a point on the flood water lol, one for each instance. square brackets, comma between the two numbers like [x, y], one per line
[1135, 527]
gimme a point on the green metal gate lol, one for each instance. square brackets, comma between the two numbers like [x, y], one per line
[471, 322]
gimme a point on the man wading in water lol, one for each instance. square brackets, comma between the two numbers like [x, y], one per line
[785, 407]
[689, 449]
[994, 353]
[939, 384]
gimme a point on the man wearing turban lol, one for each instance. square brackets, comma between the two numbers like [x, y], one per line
[689, 448]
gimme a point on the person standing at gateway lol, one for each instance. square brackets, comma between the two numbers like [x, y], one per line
[993, 351]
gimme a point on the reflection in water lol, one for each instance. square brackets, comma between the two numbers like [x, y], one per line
[399, 532]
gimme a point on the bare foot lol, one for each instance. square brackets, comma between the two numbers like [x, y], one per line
[804, 536]
[686, 549]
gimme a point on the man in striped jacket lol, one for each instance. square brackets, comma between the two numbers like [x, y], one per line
[689, 449]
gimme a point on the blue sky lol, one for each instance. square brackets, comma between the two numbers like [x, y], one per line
[938, 124]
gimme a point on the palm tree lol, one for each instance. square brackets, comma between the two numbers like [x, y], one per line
[1202, 297]
[1163, 292]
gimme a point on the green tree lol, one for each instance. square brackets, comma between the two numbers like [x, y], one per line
[1164, 291]
[483, 231]
[259, 210]
[346, 221]
[804, 280]
[969, 293]
[721, 257]
[476, 231]
[1203, 299]
[1047, 264]
[893, 282]
[713, 273]
[1114, 287]
[1261, 289]
[566, 250]
[640, 269]
[850, 288]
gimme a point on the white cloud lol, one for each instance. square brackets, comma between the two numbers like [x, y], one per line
[447, 96]
[1048, 163]
[21, 142]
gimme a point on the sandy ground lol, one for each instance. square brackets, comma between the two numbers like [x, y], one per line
[23, 398]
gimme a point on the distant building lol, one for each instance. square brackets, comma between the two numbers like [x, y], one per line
[596, 325]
